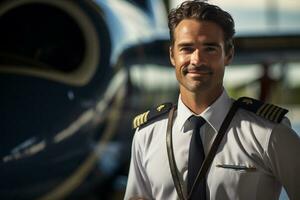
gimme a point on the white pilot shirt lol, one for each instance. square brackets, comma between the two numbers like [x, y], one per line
[255, 158]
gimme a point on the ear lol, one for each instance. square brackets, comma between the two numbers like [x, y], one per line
[171, 55]
[229, 56]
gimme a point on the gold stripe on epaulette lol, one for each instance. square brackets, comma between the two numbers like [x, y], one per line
[278, 114]
[136, 121]
[270, 111]
[261, 109]
[265, 110]
[140, 119]
[273, 116]
[159, 108]
[145, 117]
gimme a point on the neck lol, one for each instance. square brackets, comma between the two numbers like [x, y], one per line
[198, 102]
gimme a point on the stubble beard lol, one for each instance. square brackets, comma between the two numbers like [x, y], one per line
[195, 87]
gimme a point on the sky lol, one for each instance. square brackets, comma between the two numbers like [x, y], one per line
[261, 16]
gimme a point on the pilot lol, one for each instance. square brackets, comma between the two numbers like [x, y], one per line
[209, 146]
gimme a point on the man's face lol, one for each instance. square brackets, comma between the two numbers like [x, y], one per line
[198, 56]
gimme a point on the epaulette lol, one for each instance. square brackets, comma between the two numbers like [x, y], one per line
[265, 110]
[151, 114]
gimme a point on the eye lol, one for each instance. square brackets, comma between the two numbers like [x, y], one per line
[211, 49]
[187, 49]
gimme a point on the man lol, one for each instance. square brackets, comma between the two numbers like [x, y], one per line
[259, 152]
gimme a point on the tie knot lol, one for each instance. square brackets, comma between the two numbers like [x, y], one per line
[197, 120]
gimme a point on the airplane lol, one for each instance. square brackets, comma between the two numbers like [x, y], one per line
[73, 75]
[64, 121]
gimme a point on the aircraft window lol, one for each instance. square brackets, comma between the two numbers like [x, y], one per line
[140, 3]
[35, 35]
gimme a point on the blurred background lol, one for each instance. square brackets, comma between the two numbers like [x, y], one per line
[74, 73]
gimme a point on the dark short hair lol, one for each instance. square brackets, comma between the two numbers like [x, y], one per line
[202, 11]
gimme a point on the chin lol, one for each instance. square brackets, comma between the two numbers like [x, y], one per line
[196, 88]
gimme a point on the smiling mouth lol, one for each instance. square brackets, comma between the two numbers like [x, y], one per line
[193, 70]
[200, 72]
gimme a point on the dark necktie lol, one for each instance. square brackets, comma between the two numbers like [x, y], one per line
[196, 158]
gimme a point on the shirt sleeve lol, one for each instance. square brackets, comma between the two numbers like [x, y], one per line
[283, 153]
[138, 184]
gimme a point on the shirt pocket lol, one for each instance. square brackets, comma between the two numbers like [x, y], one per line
[236, 181]
[238, 168]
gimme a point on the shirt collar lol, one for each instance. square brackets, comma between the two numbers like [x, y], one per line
[214, 115]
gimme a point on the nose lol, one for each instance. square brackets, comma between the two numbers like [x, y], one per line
[196, 57]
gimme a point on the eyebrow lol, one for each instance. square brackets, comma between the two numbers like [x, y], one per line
[214, 44]
[188, 44]
[185, 44]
